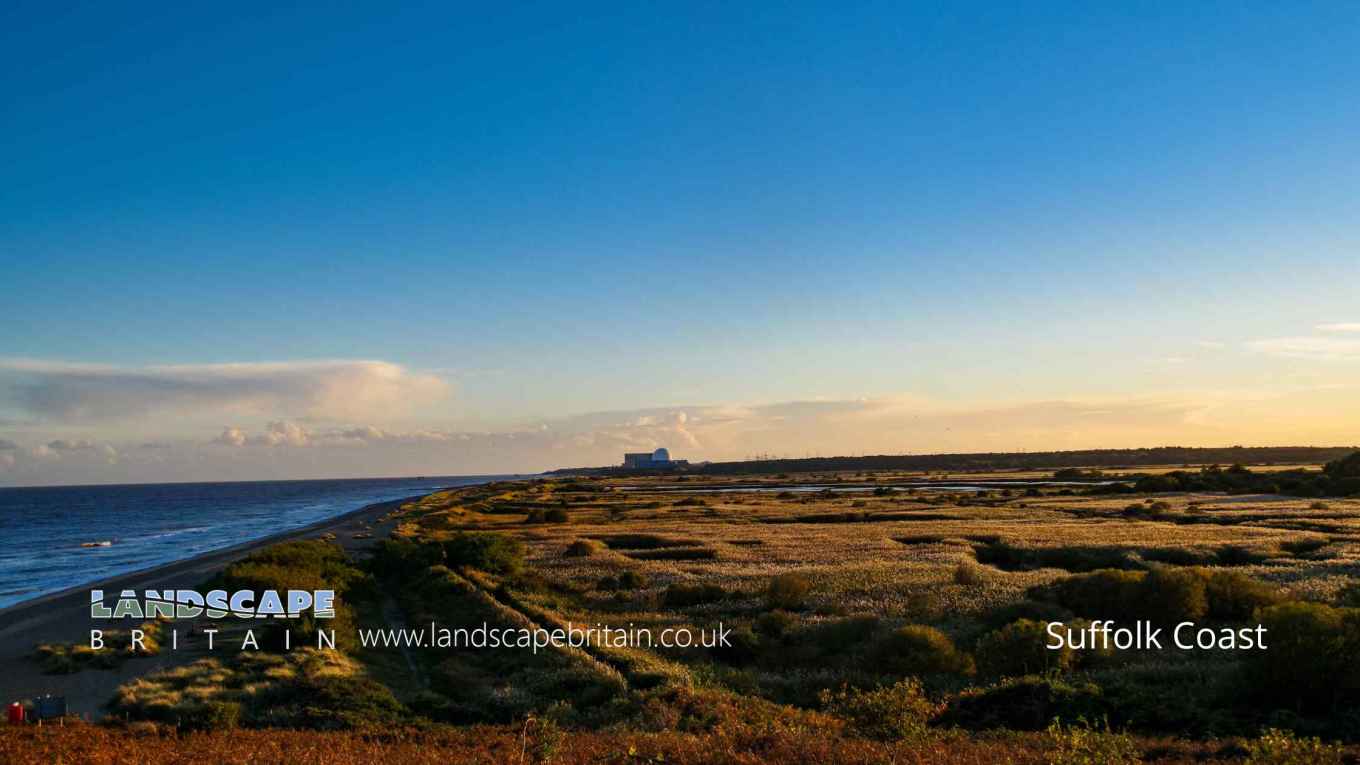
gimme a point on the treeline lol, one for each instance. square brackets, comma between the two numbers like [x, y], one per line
[1338, 478]
[1103, 458]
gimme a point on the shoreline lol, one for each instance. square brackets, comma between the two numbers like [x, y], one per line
[64, 616]
[224, 556]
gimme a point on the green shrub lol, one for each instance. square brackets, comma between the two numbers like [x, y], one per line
[1021, 648]
[1234, 596]
[253, 575]
[1188, 698]
[301, 689]
[1237, 555]
[1346, 467]
[1100, 594]
[1170, 595]
[1280, 747]
[1309, 664]
[627, 581]
[1076, 558]
[582, 548]
[1157, 483]
[920, 650]
[67, 658]
[313, 554]
[743, 647]
[308, 564]
[402, 559]
[1025, 703]
[899, 711]
[334, 703]
[837, 636]
[556, 515]
[1165, 595]
[775, 623]
[788, 591]
[681, 595]
[1085, 744]
[488, 551]
[212, 715]
[969, 574]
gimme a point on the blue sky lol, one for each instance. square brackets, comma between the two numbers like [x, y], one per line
[561, 211]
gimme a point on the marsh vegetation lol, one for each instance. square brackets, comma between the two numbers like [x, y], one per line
[906, 617]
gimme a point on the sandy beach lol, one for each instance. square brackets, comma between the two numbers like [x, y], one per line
[64, 616]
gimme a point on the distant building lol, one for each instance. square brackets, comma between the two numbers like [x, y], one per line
[661, 458]
[637, 459]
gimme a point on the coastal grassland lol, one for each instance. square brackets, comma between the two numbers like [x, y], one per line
[870, 617]
[836, 581]
[283, 680]
[307, 688]
[119, 646]
[309, 564]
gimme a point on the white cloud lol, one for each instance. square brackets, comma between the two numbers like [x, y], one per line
[231, 437]
[365, 433]
[1310, 348]
[60, 448]
[59, 392]
[295, 434]
[284, 433]
[285, 448]
[1331, 342]
[63, 445]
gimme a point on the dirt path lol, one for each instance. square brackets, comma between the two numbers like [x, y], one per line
[396, 620]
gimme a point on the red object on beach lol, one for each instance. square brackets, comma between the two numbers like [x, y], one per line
[16, 713]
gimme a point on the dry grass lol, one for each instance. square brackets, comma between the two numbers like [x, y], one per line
[66, 658]
[943, 558]
[159, 696]
[866, 564]
[536, 743]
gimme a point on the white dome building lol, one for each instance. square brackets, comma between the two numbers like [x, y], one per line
[661, 458]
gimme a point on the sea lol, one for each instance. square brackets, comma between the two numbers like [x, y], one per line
[42, 529]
